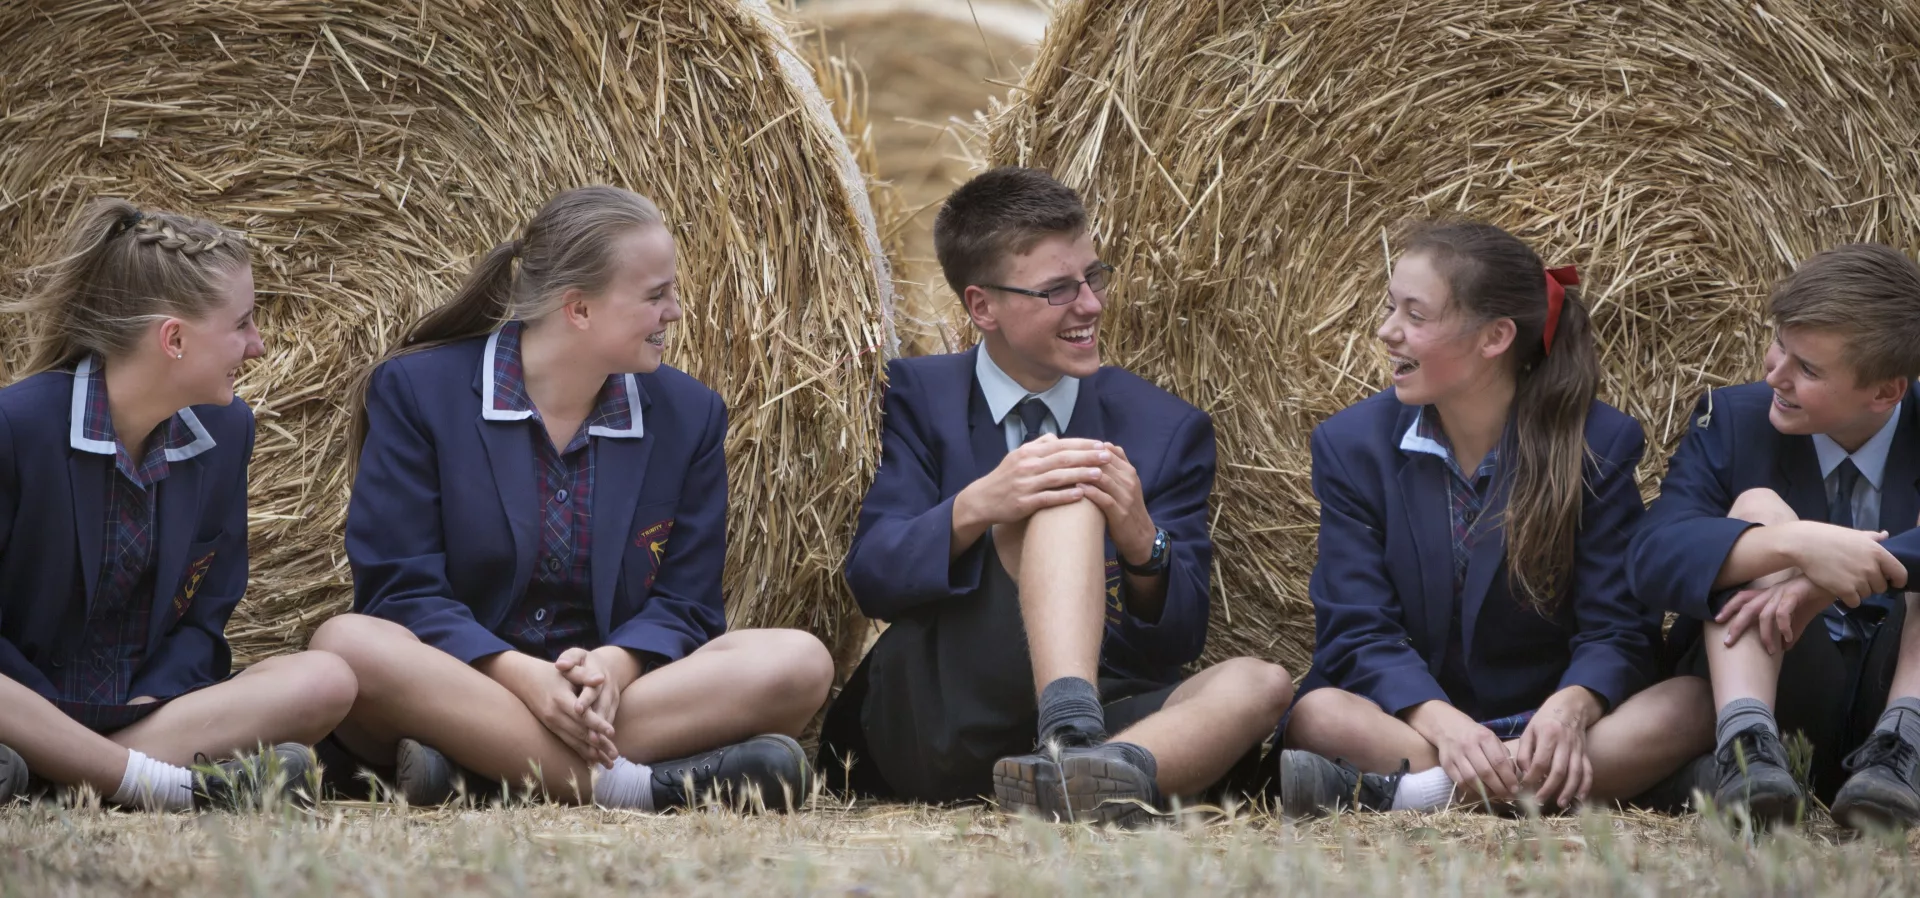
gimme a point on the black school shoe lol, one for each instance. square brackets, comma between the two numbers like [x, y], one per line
[1312, 786]
[1753, 773]
[766, 770]
[1674, 794]
[13, 774]
[256, 781]
[423, 776]
[1881, 793]
[1077, 784]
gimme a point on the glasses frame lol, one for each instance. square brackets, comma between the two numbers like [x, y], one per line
[1047, 295]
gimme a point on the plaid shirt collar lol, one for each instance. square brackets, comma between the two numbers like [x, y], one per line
[503, 391]
[179, 438]
[1426, 437]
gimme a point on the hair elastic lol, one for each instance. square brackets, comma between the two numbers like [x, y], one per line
[125, 223]
[1558, 280]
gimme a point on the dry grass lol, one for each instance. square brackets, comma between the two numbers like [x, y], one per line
[360, 849]
[372, 149]
[1245, 160]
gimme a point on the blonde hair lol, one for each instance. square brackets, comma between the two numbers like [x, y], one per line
[567, 246]
[119, 270]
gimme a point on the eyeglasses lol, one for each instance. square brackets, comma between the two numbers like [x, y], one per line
[1099, 278]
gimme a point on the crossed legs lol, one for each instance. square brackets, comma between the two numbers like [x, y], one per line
[739, 685]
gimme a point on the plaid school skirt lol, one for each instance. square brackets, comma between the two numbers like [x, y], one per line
[108, 719]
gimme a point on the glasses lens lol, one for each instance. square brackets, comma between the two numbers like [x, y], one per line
[1100, 278]
[1061, 295]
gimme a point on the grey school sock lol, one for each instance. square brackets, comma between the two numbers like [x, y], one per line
[1741, 714]
[1070, 709]
[1902, 718]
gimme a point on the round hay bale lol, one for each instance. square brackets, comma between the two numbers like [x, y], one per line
[371, 150]
[920, 73]
[1246, 161]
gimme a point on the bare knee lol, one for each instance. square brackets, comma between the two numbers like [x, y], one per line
[1328, 710]
[1761, 506]
[321, 686]
[796, 669]
[1265, 686]
[1080, 515]
[365, 644]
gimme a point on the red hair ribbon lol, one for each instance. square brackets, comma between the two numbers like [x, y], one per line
[1558, 279]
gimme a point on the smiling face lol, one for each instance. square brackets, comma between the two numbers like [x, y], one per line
[1815, 389]
[1437, 352]
[1034, 342]
[209, 349]
[627, 322]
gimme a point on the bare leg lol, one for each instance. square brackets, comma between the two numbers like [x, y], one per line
[1649, 736]
[291, 698]
[1906, 668]
[1745, 670]
[1335, 723]
[1060, 566]
[54, 745]
[410, 689]
[743, 684]
[294, 698]
[1210, 721]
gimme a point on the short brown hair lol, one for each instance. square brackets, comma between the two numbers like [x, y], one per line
[1867, 293]
[1001, 212]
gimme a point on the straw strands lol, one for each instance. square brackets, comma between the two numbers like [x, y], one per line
[1247, 161]
[372, 150]
[924, 71]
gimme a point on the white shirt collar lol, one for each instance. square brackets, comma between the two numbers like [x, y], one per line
[491, 410]
[1870, 458]
[76, 428]
[1003, 392]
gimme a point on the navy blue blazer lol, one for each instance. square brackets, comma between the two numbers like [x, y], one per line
[1383, 586]
[442, 526]
[52, 527]
[1732, 447]
[938, 437]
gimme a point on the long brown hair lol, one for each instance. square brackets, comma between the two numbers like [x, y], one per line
[119, 269]
[568, 245]
[1493, 275]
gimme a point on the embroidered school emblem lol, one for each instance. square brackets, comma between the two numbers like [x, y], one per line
[196, 572]
[654, 540]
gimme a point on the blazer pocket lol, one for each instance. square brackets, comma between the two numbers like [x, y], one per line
[200, 557]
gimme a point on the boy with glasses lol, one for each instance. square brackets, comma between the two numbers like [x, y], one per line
[1037, 537]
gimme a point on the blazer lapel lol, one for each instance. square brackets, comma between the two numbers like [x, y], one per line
[87, 478]
[619, 471]
[176, 507]
[1800, 470]
[1089, 416]
[511, 456]
[1900, 485]
[1488, 554]
[1422, 482]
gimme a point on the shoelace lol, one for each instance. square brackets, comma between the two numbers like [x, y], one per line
[1881, 748]
[1391, 781]
[1745, 748]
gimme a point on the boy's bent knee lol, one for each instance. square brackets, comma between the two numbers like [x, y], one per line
[1761, 506]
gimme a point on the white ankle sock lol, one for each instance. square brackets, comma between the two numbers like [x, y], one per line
[1423, 791]
[624, 785]
[154, 785]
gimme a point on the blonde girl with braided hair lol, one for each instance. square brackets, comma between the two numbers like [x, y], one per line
[123, 531]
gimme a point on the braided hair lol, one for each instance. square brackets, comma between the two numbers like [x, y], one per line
[119, 269]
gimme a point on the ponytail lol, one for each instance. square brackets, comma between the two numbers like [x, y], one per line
[567, 246]
[118, 270]
[1493, 275]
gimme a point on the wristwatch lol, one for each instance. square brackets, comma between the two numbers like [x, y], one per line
[1156, 562]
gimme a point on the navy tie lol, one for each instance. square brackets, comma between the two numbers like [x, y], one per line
[1033, 413]
[1847, 476]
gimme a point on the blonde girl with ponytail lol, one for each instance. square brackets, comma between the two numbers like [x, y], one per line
[537, 532]
[123, 530]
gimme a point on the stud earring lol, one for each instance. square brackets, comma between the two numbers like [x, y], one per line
[179, 355]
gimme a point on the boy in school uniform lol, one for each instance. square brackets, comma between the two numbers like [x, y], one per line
[1786, 517]
[1037, 537]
